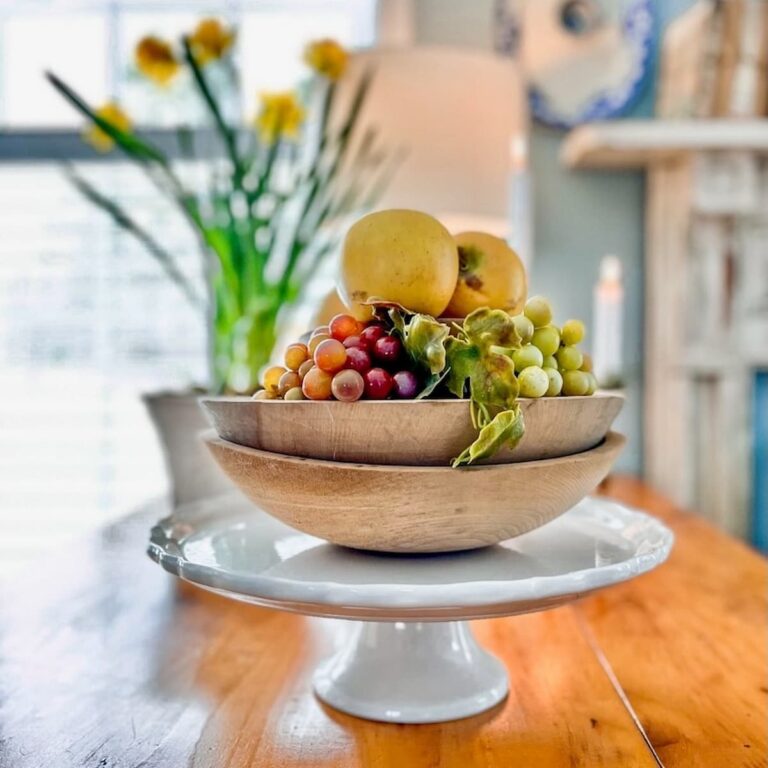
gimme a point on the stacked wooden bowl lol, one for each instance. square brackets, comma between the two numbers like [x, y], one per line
[376, 475]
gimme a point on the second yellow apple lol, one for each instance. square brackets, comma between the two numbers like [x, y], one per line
[491, 275]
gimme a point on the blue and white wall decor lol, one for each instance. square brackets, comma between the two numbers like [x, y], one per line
[584, 59]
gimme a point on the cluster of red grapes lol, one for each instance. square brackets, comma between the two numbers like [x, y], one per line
[344, 360]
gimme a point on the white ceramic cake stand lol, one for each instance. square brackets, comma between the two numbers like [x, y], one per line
[412, 657]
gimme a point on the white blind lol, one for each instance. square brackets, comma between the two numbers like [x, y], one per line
[87, 323]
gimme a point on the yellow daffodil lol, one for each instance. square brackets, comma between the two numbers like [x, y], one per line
[155, 59]
[280, 115]
[112, 113]
[327, 58]
[211, 40]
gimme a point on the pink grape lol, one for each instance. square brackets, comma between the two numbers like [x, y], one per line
[387, 349]
[330, 355]
[406, 385]
[317, 385]
[358, 359]
[343, 326]
[348, 386]
[353, 341]
[378, 384]
[370, 335]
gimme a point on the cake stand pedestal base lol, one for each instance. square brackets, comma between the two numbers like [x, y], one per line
[412, 659]
[411, 672]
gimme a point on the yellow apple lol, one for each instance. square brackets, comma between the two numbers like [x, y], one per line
[407, 257]
[490, 275]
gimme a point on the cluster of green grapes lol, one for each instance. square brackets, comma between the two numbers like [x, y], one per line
[549, 363]
[345, 360]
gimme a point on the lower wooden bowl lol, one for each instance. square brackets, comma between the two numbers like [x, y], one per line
[413, 509]
[407, 432]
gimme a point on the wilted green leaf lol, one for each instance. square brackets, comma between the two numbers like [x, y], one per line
[431, 384]
[493, 381]
[423, 337]
[479, 361]
[507, 428]
[491, 375]
[398, 317]
[489, 328]
[425, 342]
[463, 359]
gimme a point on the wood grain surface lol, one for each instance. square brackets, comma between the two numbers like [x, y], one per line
[107, 662]
[414, 509]
[423, 433]
[696, 631]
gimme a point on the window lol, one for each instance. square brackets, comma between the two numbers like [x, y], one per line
[87, 320]
[36, 36]
[32, 43]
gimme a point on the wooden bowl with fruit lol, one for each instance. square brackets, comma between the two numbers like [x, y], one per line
[407, 432]
[392, 429]
[407, 389]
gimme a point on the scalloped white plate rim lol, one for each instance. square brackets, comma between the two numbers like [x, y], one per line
[653, 542]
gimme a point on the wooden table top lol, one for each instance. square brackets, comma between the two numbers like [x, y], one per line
[106, 662]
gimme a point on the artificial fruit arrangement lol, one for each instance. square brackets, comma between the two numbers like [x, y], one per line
[401, 274]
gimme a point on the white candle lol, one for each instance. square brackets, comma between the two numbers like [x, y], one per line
[608, 322]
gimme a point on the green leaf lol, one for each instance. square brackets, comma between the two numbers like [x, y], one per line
[507, 428]
[488, 328]
[424, 341]
[320, 183]
[128, 142]
[493, 382]
[479, 357]
[247, 261]
[218, 241]
[431, 384]
[358, 100]
[148, 157]
[463, 359]
[325, 114]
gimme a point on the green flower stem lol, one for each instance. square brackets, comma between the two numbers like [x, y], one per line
[124, 221]
[243, 231]
[227, 134]
[139, 150]
[130, 143]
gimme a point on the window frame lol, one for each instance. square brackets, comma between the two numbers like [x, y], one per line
[30, 144]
